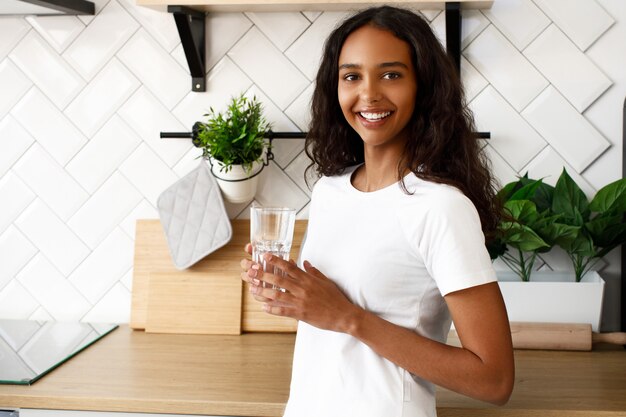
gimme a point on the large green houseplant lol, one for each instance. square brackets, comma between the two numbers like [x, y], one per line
[538, 216]
[234, 143]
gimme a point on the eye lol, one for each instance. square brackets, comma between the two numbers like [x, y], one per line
[391, 75]
[351, 77]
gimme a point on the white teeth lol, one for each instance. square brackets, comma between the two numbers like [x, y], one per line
[375, 116]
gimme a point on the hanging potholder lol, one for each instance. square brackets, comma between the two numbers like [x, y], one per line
[193, 217]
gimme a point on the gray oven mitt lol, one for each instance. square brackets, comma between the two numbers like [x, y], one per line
[193, 217]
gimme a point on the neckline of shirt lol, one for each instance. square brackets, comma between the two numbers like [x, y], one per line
[370, 194]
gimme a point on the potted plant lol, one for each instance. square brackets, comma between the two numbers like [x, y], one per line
[234, 143]
[539, 217]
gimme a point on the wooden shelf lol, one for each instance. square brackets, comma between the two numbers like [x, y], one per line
[297, 5]
[190, 21]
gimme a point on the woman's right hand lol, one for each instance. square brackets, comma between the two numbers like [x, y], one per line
[249, 273]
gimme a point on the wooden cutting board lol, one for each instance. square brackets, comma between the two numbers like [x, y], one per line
[155, 279]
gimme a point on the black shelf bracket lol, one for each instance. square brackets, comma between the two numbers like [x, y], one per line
[453, 32]
[191, 29]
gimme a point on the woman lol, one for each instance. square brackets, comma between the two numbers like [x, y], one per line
[395, 246]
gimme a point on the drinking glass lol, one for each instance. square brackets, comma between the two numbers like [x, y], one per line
[271, 231]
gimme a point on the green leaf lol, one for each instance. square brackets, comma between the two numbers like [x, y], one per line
[611, 198]
[522, 237]
[559, 233]
[606, 230]
[507, 191]
[524, 211]
[581, 246]
[526, 192]
[570, 201]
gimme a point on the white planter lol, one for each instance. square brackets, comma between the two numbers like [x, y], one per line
[238, 191]
[553, 297]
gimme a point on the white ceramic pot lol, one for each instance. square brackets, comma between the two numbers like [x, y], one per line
[553, 297]
[237, 191]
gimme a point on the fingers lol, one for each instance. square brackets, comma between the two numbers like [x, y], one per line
[279, 310]
[272, 296]
[288, 267]
[246, 264]
[248, 248]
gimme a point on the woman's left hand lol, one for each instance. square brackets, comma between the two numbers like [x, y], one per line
[309, 295]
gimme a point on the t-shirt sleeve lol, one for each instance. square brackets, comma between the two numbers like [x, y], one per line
[452, 244]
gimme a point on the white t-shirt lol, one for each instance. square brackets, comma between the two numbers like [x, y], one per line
[395, 255]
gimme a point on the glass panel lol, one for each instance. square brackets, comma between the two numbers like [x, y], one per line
[30, 349]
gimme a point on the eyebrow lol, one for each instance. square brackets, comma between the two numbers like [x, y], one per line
[383, 65]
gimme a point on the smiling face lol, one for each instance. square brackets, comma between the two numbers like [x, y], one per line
[377, 86]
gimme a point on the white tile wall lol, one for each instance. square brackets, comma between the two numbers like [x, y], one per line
[583, 21]
[160, 25]
[106, 33]
[14, 242]
[505, 68]
[47, 69]
[105, 209]
[13, 84]
[282, 28]
[140, 112]
[108, 148]
[519, 20]
[280, 79]
[570, 71]
[84, 99]
[52, 236]
[52, 130]
[16, 196]
[561, 125]
[104, 266]
[306, 52]
[52, 184]
[511, 136]
[52, 290]
[102, 97]
[14, 141]
[157, 70]
[59, 31]
[224, 81]
[12, 30]
[223, 30]
[16, 302]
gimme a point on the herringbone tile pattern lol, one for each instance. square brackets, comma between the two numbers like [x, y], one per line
[84, 99]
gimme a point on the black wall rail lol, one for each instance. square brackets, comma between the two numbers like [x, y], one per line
[270, 135]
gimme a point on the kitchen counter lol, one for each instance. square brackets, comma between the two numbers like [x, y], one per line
[248, 375]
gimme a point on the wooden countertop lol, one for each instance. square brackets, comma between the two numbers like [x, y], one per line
[248, 375]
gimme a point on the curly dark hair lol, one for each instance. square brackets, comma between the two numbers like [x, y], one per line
[443, 147]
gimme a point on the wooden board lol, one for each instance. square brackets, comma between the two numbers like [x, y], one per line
[152, 256]
[194, 303]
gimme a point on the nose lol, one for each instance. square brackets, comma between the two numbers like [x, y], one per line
[370, 92]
